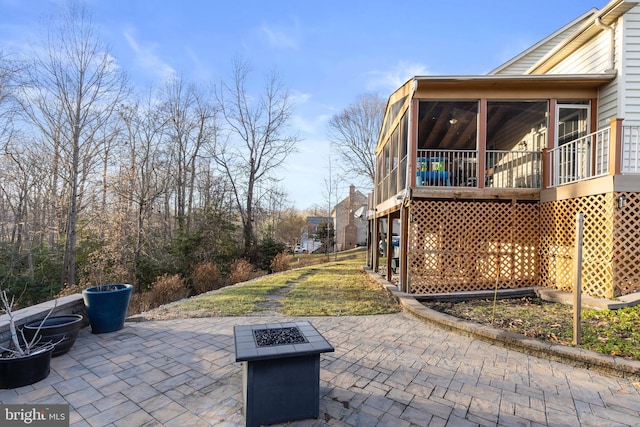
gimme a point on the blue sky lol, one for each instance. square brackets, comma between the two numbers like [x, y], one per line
[326, 52]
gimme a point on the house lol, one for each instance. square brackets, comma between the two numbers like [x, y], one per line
[349, 220]
[316, 231]
[485, 175]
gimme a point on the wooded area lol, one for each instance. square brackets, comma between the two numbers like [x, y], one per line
[100, 183]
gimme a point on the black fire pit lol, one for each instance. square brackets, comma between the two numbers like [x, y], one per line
[281, 371]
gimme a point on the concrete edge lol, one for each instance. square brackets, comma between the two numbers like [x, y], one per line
[71, 304]
[575, 356]
[563, 297]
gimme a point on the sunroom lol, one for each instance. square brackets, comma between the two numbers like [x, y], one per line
[467, 168]
[449, 135]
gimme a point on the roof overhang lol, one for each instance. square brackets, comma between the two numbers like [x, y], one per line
[515, 81]
[511, 86]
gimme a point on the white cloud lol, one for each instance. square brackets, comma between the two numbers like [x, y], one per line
[146, 58]
[310, 126]
[299, 98]
[198, 69]
[389, 80]
[281, 38]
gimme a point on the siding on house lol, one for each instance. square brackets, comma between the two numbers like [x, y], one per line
[630, 108]
[609, 103]
[592, 57]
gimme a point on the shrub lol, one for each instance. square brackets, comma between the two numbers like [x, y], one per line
[139, 303]
[267, 251]
[205, 277]
[305, 260]
[166, 289]
[280, 262]
[240, 270]
[72, 289]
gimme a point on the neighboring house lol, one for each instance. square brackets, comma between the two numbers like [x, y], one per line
[313, 234]
[484, 175]
[349, 220]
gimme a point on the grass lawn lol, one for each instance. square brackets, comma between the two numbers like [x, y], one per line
[336, 288]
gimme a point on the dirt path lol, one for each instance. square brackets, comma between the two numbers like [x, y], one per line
[273, 303]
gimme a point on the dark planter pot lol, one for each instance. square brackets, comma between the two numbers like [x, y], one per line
[107, 306]
[62, 331]
[21, 371]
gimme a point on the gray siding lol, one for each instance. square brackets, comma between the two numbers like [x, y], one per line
[607, 104]
[592, 57]
[631, 68]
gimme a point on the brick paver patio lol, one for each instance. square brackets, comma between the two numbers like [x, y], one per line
[389, 370]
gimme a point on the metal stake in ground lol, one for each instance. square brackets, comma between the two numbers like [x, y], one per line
[577, 290]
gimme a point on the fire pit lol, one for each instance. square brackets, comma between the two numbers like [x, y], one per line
[281, 371]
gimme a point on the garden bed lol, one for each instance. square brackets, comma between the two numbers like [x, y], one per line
[612, 332]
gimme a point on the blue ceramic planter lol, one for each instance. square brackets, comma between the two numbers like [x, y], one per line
[107, 306]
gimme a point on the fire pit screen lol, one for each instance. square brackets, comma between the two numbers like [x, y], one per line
[281, 371]
[278, 336]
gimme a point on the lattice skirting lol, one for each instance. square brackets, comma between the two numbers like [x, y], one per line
[626, 245]
[557, 244]
[472, 245]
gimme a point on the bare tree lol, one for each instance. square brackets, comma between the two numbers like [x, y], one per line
[70, 92]
[258, 142]
[191, 124]
[354, 132]
[269, 207]
[289, 227]
[142, 178]
[23, 190]
[330, 191]
[7, 108]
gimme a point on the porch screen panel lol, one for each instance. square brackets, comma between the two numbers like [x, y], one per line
[447, 125]
[404, 137]
[516, 134]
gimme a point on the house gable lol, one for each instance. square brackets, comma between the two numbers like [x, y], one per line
[580, 38]
[525, 60]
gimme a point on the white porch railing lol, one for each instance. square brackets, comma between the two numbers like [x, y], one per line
[459, 168]
[447, 168]
[513, 169]
[581, 159]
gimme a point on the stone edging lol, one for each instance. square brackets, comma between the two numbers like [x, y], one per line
[613, 365]
[72, 304]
